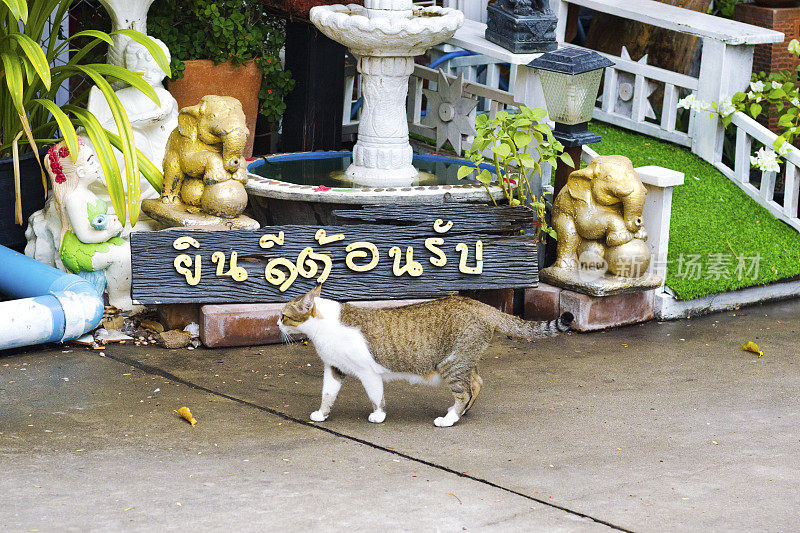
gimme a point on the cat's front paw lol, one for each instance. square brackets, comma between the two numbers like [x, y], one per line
[318, 416]
[377, 417]
[445, 421]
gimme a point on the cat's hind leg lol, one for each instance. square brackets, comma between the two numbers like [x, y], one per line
[475, 385]
[373, 385]
[331, 383]
[456, 372]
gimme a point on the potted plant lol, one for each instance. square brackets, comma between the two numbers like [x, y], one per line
[509, 138]
[224, 47]
[29, 117]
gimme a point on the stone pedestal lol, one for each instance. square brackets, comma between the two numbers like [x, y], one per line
[179, 215]
[592, 313]
[522, 34]
[772, 57]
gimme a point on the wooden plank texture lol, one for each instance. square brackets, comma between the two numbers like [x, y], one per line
[509, 257]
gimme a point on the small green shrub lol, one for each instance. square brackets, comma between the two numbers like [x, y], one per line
[235, 31]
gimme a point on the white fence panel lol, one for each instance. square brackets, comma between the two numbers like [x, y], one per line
[748, 131]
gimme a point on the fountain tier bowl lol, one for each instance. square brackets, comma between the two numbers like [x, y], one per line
[306, 187]
[386, 36]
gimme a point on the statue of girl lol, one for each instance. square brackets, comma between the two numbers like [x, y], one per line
[90, 239]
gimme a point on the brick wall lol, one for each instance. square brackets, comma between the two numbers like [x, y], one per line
[772, 57]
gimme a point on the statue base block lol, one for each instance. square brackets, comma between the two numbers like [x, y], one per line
[607, 285]
[172, 215]
[592, 313]
[521, 34]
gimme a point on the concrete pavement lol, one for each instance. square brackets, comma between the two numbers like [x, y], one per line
[654, 427]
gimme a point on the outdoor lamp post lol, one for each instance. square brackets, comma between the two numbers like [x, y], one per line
[570, 82]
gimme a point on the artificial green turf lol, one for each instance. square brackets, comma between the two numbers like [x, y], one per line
[710, 215]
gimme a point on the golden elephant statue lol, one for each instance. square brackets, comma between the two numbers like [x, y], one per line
[204, 164]
[598, 219]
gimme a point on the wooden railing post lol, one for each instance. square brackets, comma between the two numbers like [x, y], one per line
[724, 70]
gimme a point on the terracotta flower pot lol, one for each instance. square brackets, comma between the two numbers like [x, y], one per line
[203, 77]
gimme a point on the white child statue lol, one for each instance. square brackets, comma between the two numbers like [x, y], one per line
[89, 240]
[151, 124]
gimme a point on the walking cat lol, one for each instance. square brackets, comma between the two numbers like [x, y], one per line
[431, 342]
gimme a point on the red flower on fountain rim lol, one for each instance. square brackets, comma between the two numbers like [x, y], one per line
[321, 188]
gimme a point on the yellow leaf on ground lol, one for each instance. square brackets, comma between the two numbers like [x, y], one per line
[186, 414]
[750, 346]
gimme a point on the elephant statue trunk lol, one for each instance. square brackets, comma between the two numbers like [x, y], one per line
[632, 207]
[233, 143]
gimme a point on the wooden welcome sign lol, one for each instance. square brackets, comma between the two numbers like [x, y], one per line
[379, 252]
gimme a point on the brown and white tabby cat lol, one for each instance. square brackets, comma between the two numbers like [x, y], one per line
[429, 342]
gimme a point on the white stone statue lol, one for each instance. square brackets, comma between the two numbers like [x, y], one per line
[125, 14]
[89, 240]
[151, 123]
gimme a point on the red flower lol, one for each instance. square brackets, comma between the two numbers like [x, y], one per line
[269, 91]
[63, 152]
[321, 188]
[510, 180]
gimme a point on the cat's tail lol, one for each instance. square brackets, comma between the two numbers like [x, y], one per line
[516, 327]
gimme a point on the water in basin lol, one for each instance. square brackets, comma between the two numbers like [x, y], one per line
[327, 169]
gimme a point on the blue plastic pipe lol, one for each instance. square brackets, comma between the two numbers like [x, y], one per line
[51, 307]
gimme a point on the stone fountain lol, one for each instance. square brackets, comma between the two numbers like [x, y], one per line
[385, 35]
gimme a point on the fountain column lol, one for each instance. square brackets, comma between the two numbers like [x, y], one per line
[382, 155]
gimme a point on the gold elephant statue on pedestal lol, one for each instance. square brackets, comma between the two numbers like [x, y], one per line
[204, 167]
[597, 216]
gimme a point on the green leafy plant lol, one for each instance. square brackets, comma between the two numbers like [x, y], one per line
[27, 97]
[225, 30]
[510, 137]
[724, 8]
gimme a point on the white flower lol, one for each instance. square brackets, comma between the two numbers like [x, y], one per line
[686, 103]
[726, 107]
[765, 159]
[701, 106]
[757, 86]
[795, 102]
[776, 85]
[784, 149]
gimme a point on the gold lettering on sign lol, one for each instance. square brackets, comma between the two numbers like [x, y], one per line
[183, 264]
[182, 243]
[307, 264]
[236, 272]
[277, 277]
[358, 250]
[432, 245]
[462, 264]
[412, 268]
[269, 240]
[324, 239]
[440, 227]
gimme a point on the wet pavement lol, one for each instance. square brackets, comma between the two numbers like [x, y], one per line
[661, 426]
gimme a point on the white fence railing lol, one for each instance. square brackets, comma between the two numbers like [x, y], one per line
[750, 134]
[627, 86]
[491, 99]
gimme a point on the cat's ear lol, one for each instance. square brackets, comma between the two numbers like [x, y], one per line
[308, 299]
